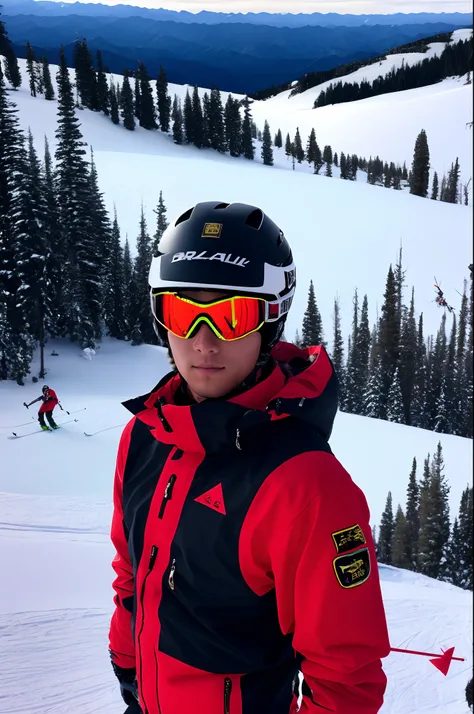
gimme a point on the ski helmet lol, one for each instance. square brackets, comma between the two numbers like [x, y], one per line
[230, 247]
[45, 388]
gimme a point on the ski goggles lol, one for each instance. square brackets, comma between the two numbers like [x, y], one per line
[230, 318]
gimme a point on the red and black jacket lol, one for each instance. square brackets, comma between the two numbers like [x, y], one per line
[244, 553]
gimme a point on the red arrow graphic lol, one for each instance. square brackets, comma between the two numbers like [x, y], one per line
[440, 661]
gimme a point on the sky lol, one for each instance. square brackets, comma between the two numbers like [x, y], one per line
[356, 7]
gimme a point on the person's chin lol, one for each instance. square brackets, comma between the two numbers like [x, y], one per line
[210, 384]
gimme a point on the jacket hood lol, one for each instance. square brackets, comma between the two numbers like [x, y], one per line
[301, 385]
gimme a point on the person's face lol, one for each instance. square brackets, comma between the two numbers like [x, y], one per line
[212, 367]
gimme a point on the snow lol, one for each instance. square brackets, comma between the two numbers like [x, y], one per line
[55, 488]
[55, 510]
[388, 124]
[338, 249]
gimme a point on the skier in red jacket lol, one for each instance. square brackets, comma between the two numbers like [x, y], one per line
[244, 550]
[50, 400]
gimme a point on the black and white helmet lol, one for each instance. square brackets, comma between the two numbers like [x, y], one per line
[233, 247]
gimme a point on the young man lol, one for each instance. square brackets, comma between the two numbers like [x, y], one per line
[244, 551]
[49, 400]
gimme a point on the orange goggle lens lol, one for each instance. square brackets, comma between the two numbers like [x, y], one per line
[229, 318]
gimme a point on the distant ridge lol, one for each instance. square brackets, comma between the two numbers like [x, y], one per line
[331, 19]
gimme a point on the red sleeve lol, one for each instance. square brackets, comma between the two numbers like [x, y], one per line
[121, 643]
[307, 534]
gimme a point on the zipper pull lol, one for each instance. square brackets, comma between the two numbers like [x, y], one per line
[167, 495]
[171, 575]
[227, 693]
[153, 554]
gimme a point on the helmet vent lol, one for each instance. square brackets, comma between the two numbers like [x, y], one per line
[184, 217]
[220, 206]
[255, 219]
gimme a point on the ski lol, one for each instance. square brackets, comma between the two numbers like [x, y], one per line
[17, 426]
[39, 431]
[101, 430]
[28, 423]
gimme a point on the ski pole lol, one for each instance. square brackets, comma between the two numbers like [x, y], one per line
[440, 661]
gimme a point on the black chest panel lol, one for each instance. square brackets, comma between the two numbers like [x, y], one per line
[210, 618]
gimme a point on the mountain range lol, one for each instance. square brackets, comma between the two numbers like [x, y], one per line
[330, 19]
[237, 53]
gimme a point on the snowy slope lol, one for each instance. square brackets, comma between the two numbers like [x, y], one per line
[55, 507]
[386, 125]
[343, 234]
[55, 488]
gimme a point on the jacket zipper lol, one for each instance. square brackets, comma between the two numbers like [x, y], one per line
[167, 495]
[171, 575]
[227, 693]
[151, 563]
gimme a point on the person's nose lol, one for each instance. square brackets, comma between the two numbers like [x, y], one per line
[205, 341]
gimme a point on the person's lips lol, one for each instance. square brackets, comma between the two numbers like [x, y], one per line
[208, 368]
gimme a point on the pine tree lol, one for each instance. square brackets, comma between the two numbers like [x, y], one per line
[74, 197]
[86, 77]
[57, 250]
[343, 166]
[113, 102]
[278, 139]
[115, 288]
[373, 405]
[177, 117]
[451, 191]
[161, 224]
[389, 335]
[143, 328]
[417, 409]
[312, 330]
[412, 517]
[267, 150]
[452, 569]
[298, 147]
[30, 68]
[129, 293]
[336, 159]
[103, 96]
[408, 358]
[198, 124]
[147, 105]
[400, 554]
[137, 98]
[248, 149]
[311, 148]
[465, 539]
[436, 377]
[48, 85]
[288, 146]
[327, 154]
[386, 533]
[434, 518]
[15, 343]
[216, 122]
[126, 105]
[206, 120]
[352, 396]
[233, 126]
[32, 252]
[97, 246]
[188, 115]
[420, 168]
[164, 101]
[435, 189]
[12, 71]
[395, 400]
[338, 351]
